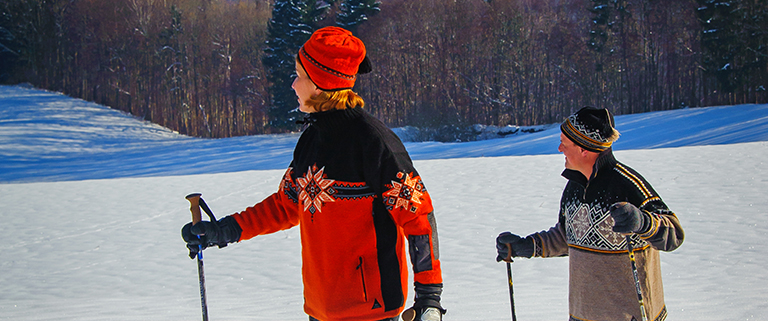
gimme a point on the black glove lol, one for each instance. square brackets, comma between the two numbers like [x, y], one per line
[629, 219]
[521, 247]
[427, 305]
[205, 233]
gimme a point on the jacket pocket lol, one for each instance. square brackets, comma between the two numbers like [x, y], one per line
[361, 269]
[421, 253]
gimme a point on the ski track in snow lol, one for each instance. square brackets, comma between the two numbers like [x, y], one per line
[91, 222]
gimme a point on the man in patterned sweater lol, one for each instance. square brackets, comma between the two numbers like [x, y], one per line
[603, 202]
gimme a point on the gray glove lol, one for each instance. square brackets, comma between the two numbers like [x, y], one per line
[521, 247]
[629, 219]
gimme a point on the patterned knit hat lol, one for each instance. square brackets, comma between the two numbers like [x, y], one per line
[332, 58]
[591, 128]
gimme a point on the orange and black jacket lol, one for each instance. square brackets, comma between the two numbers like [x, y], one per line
[357, 198]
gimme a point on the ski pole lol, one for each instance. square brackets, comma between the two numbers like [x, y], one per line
[509, 280]
[637, 279]
[195, 203]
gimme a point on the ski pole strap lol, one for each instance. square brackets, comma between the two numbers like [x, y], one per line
[207, 210]
[196, 203]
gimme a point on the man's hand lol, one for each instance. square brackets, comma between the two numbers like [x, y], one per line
[521, 247]
[629, 219]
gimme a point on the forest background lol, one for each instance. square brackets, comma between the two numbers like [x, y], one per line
[222, 68]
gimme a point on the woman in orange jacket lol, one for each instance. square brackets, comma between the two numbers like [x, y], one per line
[355, 195]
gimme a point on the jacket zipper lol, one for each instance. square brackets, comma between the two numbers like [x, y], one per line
[362, 278]
[584, 195]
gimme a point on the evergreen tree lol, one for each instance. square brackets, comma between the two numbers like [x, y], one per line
[735, 42]
[608, 39]
[601, 21]
[27, 30]
[292, 23]
[608, 27]
[7, 55]
[756, 34]
[719, 40]
[174, 56]
[354, 12]
[8, 52]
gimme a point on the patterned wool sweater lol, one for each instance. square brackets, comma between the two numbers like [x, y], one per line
[356, 197]
[601, 285]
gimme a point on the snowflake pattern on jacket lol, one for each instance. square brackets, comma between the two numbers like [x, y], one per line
[406, 193]
[315, 189]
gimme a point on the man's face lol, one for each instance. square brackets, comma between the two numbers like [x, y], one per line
[573, 153]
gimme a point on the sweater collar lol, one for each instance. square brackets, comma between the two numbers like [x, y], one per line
[333, 118]
[604, 161]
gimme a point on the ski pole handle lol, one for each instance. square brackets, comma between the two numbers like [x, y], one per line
[408, 315]
[508, 259]
[194, 207]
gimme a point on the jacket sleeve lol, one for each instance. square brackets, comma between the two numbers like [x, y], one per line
[552, 242]
[390, 172]
[277, 212]
[409, 204]
[665, 232]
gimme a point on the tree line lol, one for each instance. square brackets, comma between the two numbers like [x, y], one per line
[222, 68]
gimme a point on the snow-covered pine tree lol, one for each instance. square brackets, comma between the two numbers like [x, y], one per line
[601, 21]
[353, 13]
[607, 27]
[292, 23]
[718, 40]
[734, 42]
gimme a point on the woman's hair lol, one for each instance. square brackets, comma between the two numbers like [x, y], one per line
[340, 99]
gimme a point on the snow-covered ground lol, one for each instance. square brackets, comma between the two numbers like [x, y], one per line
[93, 201]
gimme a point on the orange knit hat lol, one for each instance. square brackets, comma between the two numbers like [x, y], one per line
[332, 58]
